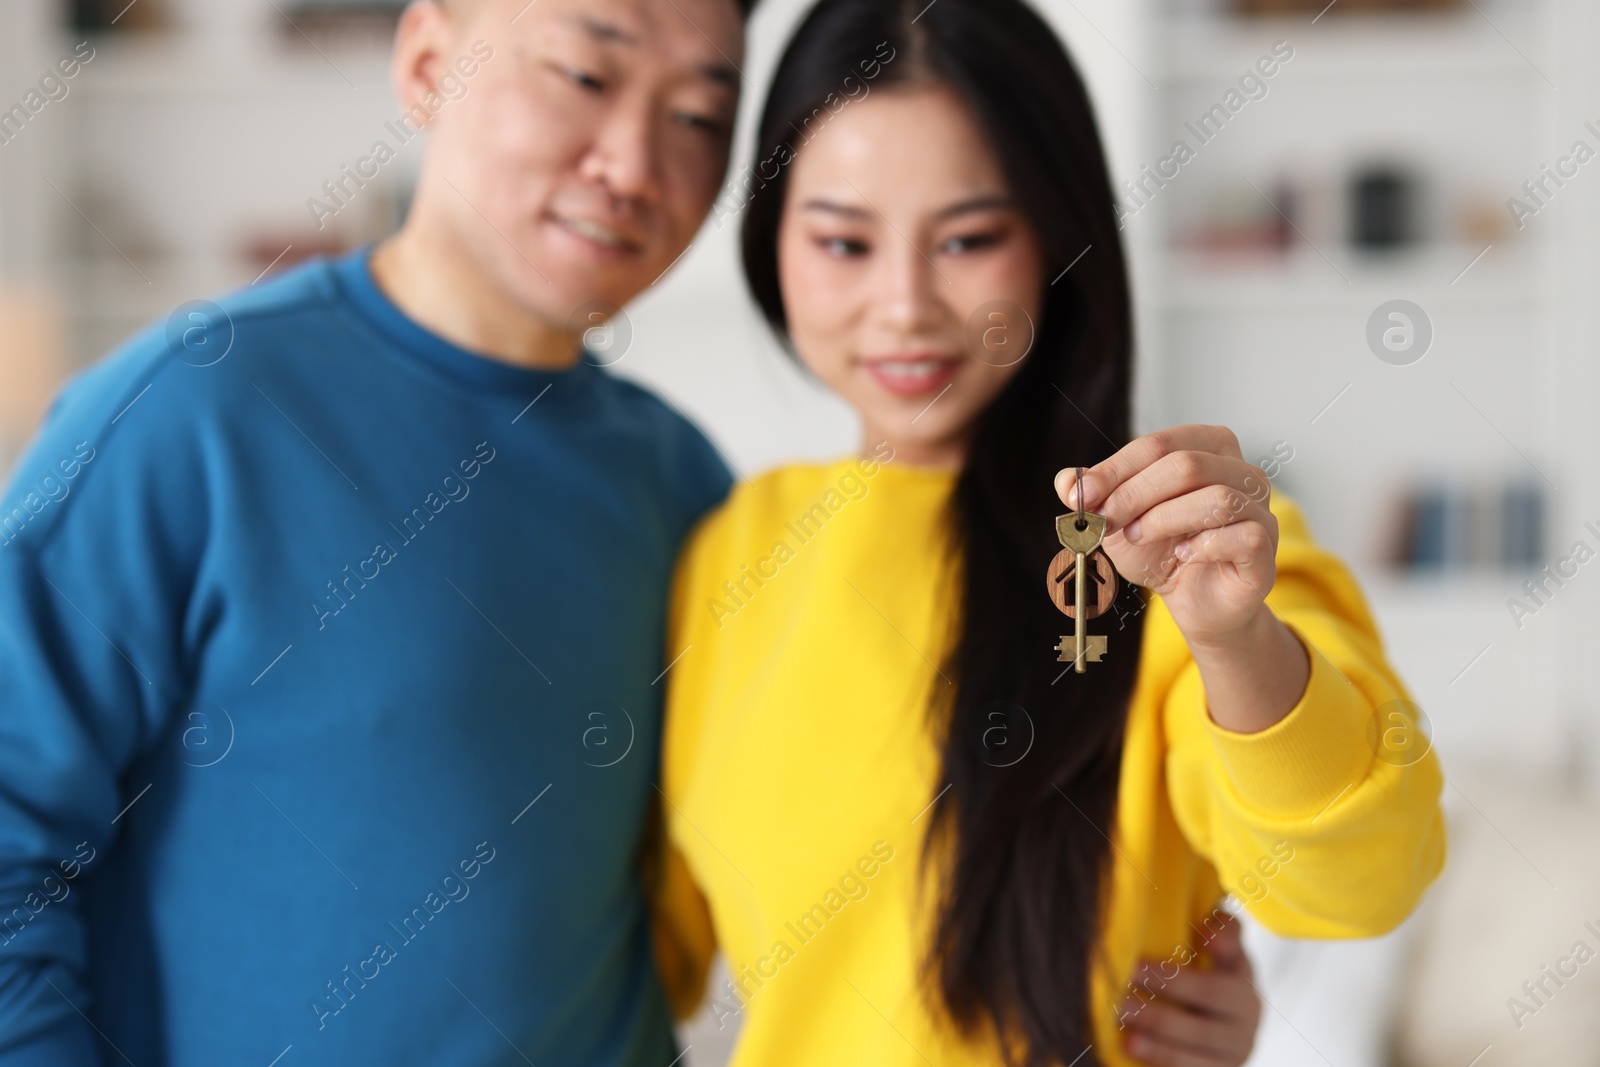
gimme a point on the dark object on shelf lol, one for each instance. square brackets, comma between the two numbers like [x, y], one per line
[1312, 7]
[117, 16]
[1382, 209]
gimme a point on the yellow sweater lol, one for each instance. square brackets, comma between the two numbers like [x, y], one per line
[798, 767]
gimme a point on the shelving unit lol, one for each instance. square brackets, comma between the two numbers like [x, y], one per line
[1275, 346]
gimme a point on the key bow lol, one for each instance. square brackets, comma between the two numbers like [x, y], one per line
[1082, 541]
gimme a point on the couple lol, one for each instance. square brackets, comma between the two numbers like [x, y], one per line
[383, 829]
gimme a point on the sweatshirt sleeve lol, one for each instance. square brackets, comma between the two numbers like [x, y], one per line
[1326, 824]
[682, 925]
[96, 531]
[682, 934]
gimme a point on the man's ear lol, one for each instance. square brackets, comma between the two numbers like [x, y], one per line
[422, 44]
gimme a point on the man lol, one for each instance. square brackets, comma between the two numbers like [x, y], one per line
[331, 617]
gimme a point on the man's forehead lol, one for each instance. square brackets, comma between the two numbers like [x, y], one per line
[705, 33]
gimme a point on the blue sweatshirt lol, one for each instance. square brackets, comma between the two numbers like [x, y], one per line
[328, 707]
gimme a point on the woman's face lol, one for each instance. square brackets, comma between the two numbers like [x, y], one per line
[911, 281]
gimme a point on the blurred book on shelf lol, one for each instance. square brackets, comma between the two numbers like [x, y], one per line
[1450, 528]
[341, 24]
[1374, 208]
[33, 352]
[117, 16]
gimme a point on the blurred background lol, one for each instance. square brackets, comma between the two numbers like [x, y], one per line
[1377, 264]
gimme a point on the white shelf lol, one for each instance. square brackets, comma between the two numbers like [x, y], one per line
[1204, 284]
[191, 65]
[1410, 47]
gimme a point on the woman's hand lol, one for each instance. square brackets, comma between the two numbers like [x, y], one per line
[1198, 1018]
[1187, 517]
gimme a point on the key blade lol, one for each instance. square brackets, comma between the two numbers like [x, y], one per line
[1094, 649]
[1083, 541]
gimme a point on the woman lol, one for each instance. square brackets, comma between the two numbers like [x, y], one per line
[921, 838]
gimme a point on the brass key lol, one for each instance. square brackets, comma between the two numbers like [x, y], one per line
[1081, 559]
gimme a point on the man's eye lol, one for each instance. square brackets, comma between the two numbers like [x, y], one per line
[702, 122]
[586, 81]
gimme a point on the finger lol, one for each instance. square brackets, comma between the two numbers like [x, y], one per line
[1249, 545]
[1101, 479]
[1152, 1051]
[1184, 1037]
[1227, 947]
[1207, 993]
[1208, 506]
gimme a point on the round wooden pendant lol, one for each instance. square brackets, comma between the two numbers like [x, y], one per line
[1102, 579]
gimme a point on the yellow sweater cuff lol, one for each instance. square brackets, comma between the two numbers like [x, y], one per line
[1311, 757]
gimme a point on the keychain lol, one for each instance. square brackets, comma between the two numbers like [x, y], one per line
[1080, 561]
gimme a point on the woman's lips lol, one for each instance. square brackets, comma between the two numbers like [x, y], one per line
[914, 375]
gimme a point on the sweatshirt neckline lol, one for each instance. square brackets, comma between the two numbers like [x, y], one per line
[353, 276]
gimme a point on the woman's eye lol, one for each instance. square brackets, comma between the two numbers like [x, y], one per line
[971, 242]
[842, 246]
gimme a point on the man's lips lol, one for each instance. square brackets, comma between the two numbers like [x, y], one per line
[611, 238]
[912, 375]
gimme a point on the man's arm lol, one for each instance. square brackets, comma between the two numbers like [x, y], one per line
[95, 564]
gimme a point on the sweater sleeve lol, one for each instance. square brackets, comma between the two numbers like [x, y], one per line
[1326, 824]
[93, 552]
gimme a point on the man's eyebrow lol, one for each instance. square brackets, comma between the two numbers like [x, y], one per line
[610, 33]
[601, 30]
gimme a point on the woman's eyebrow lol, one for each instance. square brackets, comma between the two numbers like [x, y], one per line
[833, 207]
[986, 202]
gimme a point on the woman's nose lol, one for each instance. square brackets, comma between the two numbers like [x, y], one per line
[908, 289]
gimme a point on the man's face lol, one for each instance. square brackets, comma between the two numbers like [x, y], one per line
[586, 152]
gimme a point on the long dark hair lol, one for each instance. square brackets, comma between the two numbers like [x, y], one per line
[1018, 847]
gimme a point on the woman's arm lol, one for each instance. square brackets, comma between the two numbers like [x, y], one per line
[1312, 751]
[1188, 518]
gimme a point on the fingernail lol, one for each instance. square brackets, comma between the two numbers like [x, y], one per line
[1132, 531]
[1183, 551]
